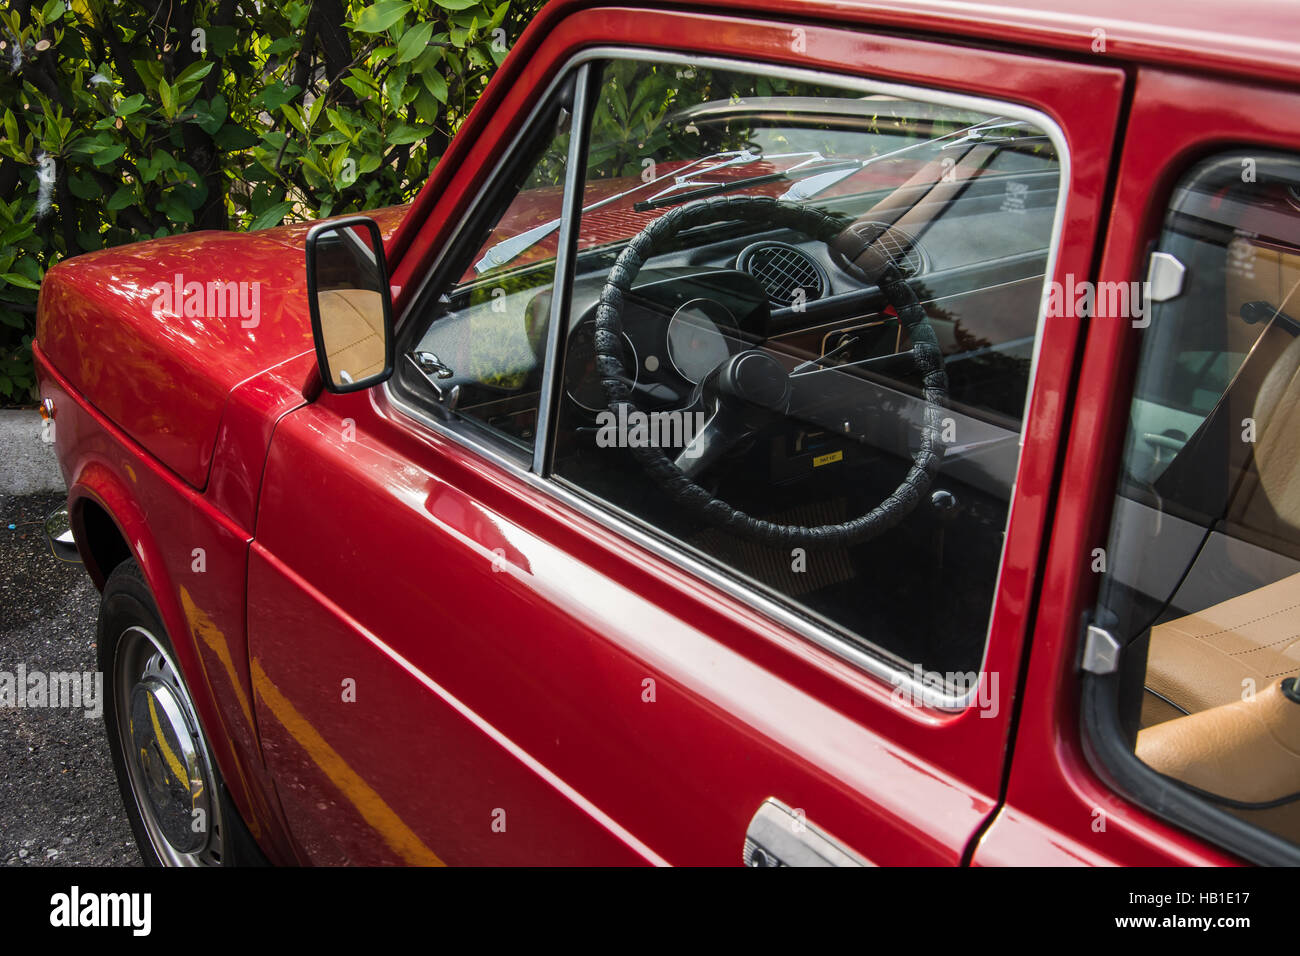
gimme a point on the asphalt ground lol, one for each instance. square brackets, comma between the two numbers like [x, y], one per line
[59, 802]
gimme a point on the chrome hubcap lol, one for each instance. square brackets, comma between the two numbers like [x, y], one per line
[167, 759]
[175, 779]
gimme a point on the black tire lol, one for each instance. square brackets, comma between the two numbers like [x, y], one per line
[127, 609]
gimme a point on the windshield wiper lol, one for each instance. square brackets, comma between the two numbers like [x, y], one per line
[811, 186]
[504, 251]
[810, 180]
[717, 189]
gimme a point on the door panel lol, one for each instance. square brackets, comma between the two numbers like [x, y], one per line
[501, 640]
[1054, 796]
[522, 688]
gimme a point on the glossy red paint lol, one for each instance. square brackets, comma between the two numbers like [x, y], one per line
[126, 337]
[165, 525]
[408, 501]
[345, 542]
[1176, 119]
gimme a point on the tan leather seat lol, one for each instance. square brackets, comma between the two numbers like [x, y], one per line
[1216, 655]
[1247, 751]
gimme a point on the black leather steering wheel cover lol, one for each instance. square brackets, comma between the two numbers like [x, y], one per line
[927, 357]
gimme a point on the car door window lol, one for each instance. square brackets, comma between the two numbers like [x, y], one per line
[1203, 577]
[802, 333]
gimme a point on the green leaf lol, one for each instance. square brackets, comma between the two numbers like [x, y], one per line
[168, 99]
[362, 89]
[293, 116]
[84, 187]
[221, 40]
[209, 116]
[231, 138]
[435, 84]
[16, 233]
[456, 4]
[314, 112]
[150, 72]
[21, 281]
[277, 94]
[414, 41]
[194, 72]
[125, 196]
[107, 155]
[130, 105]
[382, 15]
[271, 217]
[402, 134]
[174, 209]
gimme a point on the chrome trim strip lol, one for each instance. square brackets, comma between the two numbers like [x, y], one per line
[565, 249]
[876, 666]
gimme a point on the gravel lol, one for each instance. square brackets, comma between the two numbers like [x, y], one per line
[59, 802]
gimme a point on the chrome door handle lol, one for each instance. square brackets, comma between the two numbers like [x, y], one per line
[780, 836]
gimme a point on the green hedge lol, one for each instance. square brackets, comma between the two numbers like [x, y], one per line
[132, 120]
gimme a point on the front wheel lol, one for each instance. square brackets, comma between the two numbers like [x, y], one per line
[174, 798]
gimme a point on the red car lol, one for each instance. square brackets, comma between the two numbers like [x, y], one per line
[785, 434]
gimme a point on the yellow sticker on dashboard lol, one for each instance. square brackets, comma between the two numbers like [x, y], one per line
[827, 459]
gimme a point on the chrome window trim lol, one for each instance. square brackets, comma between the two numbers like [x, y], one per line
[557, 331]
[608, 516]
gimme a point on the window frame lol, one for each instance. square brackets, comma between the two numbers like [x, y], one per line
[537, 473]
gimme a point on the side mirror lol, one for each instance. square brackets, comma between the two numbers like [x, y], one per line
[351, 304]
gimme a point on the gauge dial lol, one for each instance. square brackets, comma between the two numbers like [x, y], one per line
[581, 383]
[697, 341]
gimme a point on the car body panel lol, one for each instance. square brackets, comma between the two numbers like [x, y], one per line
[367, 547]
[147, 363]
[194, 559]
[535, 642]
[1176, 119]
[768, 715]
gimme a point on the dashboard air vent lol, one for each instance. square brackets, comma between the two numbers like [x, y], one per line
[901, 246]
[783, 270]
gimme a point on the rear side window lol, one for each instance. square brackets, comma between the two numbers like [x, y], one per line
[1203, 586]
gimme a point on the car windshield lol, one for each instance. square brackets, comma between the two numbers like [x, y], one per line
[793, 148]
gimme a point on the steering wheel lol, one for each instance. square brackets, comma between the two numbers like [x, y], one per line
[751, 388]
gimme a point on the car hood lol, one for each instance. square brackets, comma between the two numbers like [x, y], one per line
[156, 334]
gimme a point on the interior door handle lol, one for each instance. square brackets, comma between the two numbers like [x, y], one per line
[780, 836]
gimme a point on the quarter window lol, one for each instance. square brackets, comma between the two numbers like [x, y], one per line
[478, 349]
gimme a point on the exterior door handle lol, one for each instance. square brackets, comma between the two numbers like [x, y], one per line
[780, 836]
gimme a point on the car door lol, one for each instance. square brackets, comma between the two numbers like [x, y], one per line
[481, 631]
[1177, 476]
